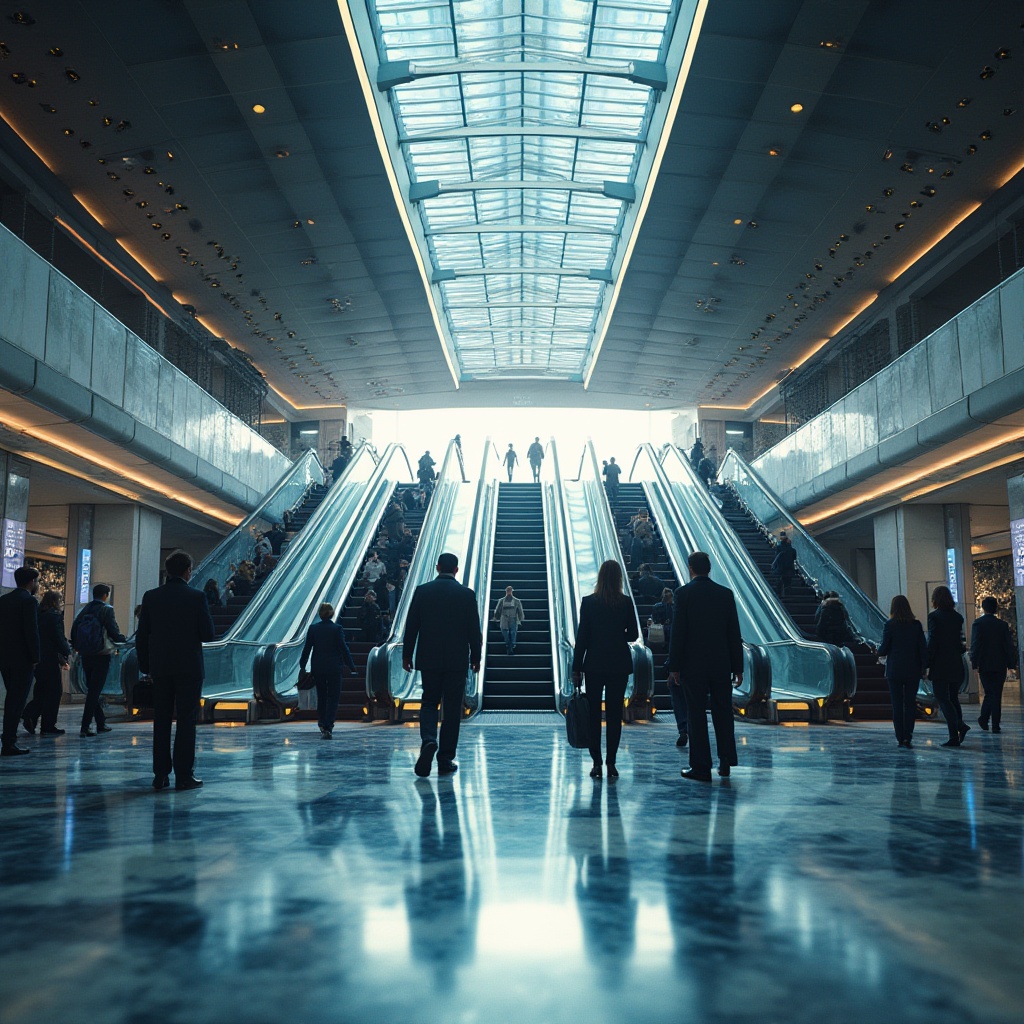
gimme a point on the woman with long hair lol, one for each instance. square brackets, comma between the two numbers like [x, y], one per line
[946, 648]
[905, 656]
[54, 652]
[608, 624]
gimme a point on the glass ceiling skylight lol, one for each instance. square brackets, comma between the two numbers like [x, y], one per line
[523, 135]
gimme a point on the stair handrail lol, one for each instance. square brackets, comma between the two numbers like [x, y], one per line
[563, 581]
[770, 515]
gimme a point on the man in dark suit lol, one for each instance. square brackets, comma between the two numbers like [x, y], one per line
[705, 650]
[443, 628]
[19, 651]
[174, 624]
[992, 653]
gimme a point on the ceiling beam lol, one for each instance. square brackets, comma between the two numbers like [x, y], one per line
[520, 229]
[641, 72]
[621, 191]
[509, 131]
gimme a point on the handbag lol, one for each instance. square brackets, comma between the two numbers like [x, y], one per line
[577, 720]
[306, 680]
[656, 633]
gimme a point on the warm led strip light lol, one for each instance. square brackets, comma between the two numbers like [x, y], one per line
[20, 427]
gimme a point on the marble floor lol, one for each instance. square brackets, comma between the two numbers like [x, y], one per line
[833, 878]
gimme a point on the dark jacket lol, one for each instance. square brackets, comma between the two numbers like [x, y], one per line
[174, 624]
[784, 563]
[326, 641]
[946, 646]
[904, 650]
[105, 614]
[833, 624]
[706, 639]
[604, 635]
[443, 627]
[649, 586]
[19, 630]
[992, 647]
[53, 644]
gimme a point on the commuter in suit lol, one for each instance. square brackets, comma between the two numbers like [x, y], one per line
[54, 651]
[19, 651]
[905, 656]
[96, 663]
[174, 624]
[443, 629]
[706, 648]
[946, 662]
[992, 653]
[325, 640]
[608, 624]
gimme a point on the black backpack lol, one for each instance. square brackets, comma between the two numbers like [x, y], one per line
[89, 633]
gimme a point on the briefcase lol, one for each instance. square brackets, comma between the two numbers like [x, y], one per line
[577, 720]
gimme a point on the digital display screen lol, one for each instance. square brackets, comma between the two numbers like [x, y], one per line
[14, 549]
[1017, 548]
[84, 575]
[951, 579]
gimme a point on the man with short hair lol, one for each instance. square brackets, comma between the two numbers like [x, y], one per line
[174, 624]
[535, 456]
[611, 473]
[443, 629]
[992, 653]
[19, 652]
[705, 649]
[93, 635]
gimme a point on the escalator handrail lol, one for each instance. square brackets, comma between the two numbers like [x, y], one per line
[563, 581]
[421, 570]
[308, 465]
[866, 616]
[603, 521]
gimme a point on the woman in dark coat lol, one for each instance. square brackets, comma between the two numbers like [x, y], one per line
[369, 619]
[54, 651]
[946, 646]
[325, 640]
[608, 625]
[905, 654]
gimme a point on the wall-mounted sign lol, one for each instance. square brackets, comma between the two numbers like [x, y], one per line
[951, 577]
[14, 549]
[84, 575]
[1017, 549]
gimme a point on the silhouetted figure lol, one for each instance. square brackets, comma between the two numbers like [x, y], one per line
[325, 641]
[904, 654]
[992, 653]
[54, 651]
[946, 648]
[535, 456]
[510, 461]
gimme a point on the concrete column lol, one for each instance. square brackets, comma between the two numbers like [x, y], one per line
[910, 555]
[126, 556]
[1015, 494]
[960, 572]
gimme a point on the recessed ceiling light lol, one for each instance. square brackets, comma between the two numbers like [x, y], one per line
[258, 108]
[738, 220]
[281, 153]
[309, 220]
[796, 108]
[774, 151]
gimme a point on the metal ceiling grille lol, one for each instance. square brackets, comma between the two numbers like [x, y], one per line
[522, 127]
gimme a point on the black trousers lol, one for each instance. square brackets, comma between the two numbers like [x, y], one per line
[613, 685]
[45, 702]
[175, 697]
[948, 696]
[904, 707]
[18, 681]
[700, 692]
[447, 688]
[328, 693]
[992, 704]
[95, 668]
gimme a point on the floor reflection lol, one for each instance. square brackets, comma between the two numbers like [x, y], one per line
[832, 877]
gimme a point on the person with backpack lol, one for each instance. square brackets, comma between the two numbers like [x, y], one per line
[93, 635]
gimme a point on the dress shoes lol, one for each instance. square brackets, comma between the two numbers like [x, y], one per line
[13, 750]
[695, 776]
[964, 730]
[447, 767]
[426, 758]
[30, 725]
[86, 732]
[189, 782]
[595, 772]
[52, 732]
[103, 728]
[683, 740]
[950, 743]
[996, 728]
[613, 772]
[724, 770]
[161, 782]
[981, 722]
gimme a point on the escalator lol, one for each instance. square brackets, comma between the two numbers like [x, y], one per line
[524, 680]
[756, 514]
[631, 499]
[786, 676]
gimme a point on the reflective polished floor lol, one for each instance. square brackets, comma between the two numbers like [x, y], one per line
[833, 878]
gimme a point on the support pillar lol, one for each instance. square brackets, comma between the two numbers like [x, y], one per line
[1015, 494]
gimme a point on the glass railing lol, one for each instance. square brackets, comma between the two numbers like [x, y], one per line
[446, 527]
[593, 540]
[335, 562]
[819, 676]
[238, 545]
